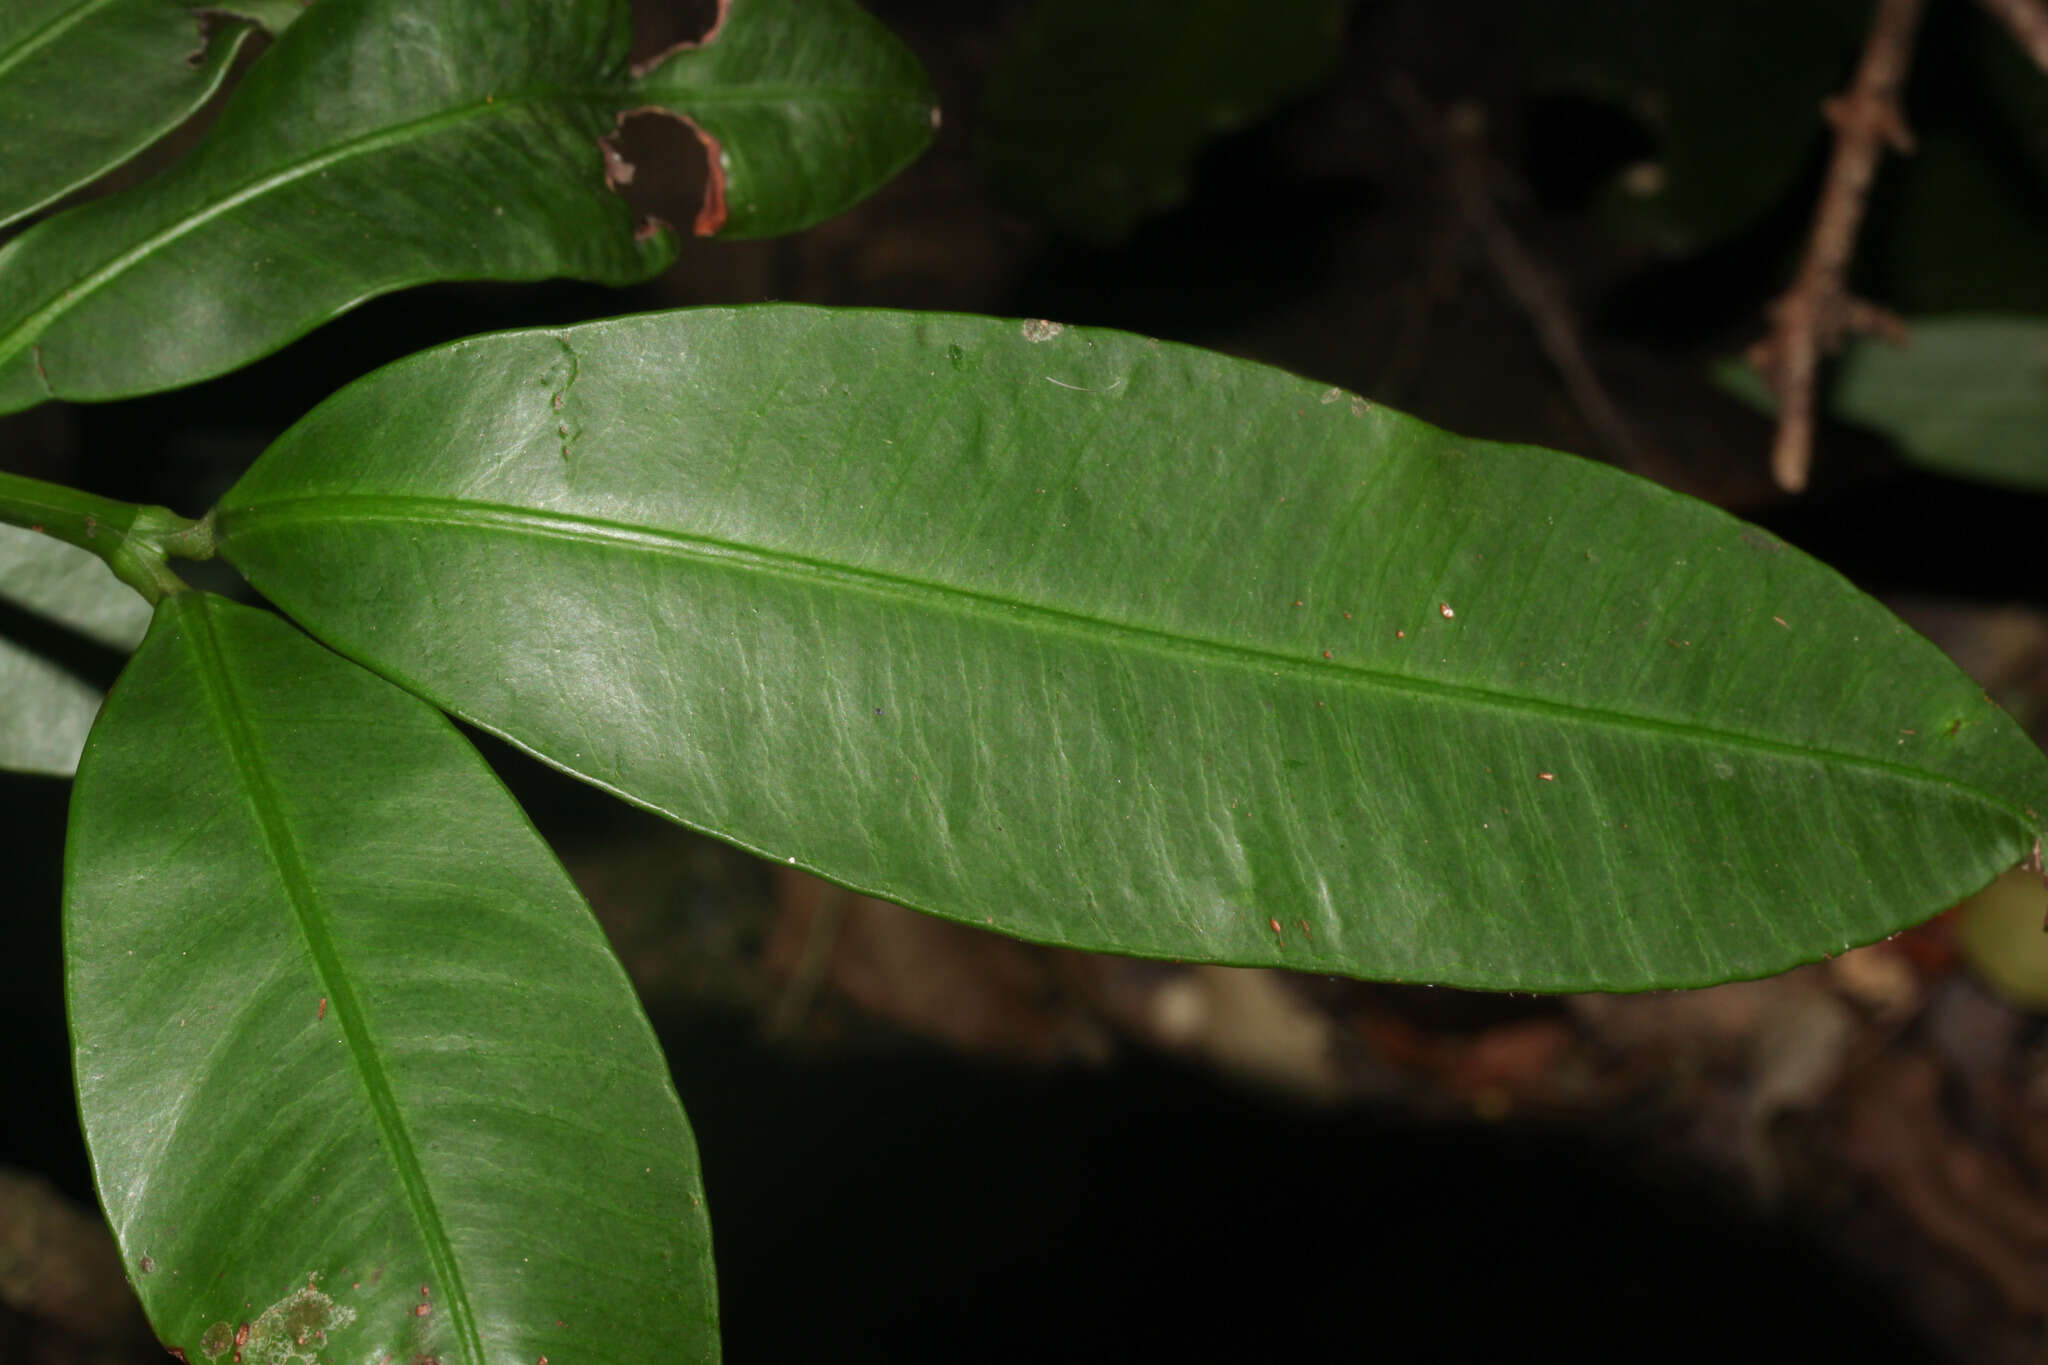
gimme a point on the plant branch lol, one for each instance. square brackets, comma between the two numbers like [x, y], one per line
[1520, 274]
[2027, 20]
[134, 540]
[1812, 317]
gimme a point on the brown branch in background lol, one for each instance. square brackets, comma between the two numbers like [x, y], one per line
[1812, 317]
[2028, 22]
[1527, 282]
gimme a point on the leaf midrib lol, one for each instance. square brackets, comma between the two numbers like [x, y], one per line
[29, 329]
[486, 516]
[244, 752]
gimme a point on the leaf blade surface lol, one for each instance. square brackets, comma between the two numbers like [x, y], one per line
[149, 63]
[48, 707]
[386, 143]
[349, 1046]
[1135, 647]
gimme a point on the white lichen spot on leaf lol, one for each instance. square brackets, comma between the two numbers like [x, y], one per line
[1038, 329]
[292, 1331]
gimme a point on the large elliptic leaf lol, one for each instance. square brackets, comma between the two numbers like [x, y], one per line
[384, 143]
[148, 64]
[45, 709]
[1136, 647]
[360, 1077]
[1097, 110]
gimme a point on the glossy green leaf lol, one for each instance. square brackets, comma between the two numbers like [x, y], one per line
[360, 1077]
[148, 63]
[1136, 647]
[1096, 111]
[385, 143]
[45, 709]
[805, 106]
[1966, 396]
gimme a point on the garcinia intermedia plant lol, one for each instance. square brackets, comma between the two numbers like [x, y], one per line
[1085, 638]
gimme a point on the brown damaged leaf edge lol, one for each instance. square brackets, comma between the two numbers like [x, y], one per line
[709, 36]
[711, 213]
[619, 171]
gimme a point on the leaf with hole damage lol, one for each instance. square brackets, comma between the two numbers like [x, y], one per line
[1136, 647]
[72, 614]
[359, 1073]
[803, 109]
[386, 143]
[148, 63]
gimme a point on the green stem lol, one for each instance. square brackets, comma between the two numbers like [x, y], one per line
[133, 539]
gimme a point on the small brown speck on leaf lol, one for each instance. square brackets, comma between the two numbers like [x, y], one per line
[322, 1012]
[422, 1310]
[1276, 925]
[147, 1266]
[1547, 777]
[1445, 608]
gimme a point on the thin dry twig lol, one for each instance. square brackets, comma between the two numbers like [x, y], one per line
[1813, 316]
[2027, 20]
[1526, 281]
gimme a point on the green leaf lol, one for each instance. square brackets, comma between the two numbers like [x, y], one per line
[1096, 111]
[805, 106]
[358, 1072]
[386, 143]
[148, 64]
[1966, 396]
[48, 708]
[1136, 647]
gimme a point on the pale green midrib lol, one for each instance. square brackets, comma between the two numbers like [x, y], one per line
[969, 601]
[36, 323]
[50, 33]
[284, 855]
